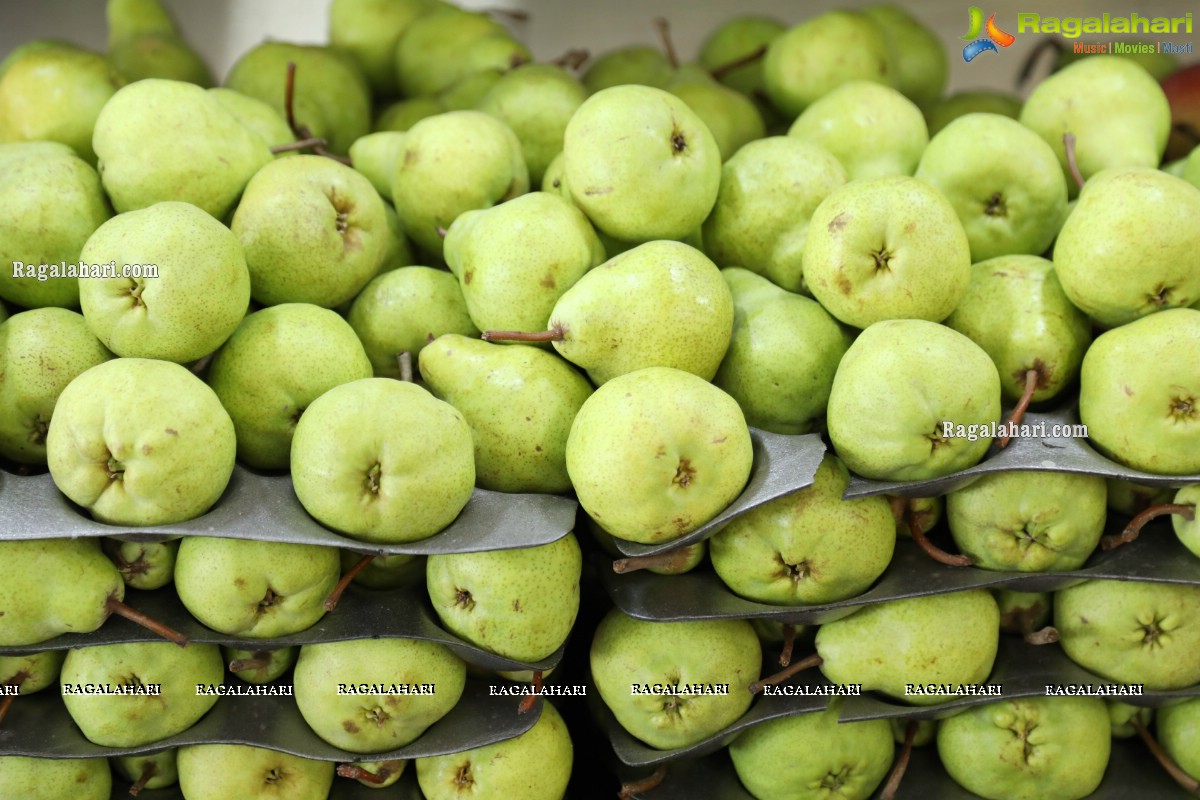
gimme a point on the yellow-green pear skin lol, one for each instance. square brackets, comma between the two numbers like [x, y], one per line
[934, 639]
[368, 31]
[656, 453]
[55, 778]
[222, 771]
[433, 51]
[520, 402]
[144, 42]
[730, 116]
[942, 112]
[375, 156]
[641, 64]
[917, 63]
[809, 546]
[258, 116]
[68, 596]
[159, 140]
[163, 772]
[628, 655]
[1179, 734]
[733, 41]
[1188, 530]
[519, 603]
[533, 766]
[403, 114]
[32, 672]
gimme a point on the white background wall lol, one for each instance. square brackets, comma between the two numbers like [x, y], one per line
[223, 29]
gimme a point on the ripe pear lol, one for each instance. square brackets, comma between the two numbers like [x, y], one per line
[386, 572]
[769, 191]
[375, 156]
[656, 453]
[917, 63]
[146, 126]
[1022, 612]
[942, 112]
[221, 771]
[729, 115]
[56, 778]
[153, 771]
[403, 114]
[144, 42]
[31, 672]
[1179, 734]
[51, 201]
[143, 565]
[258, 116]
[1187, 530]
[259, 666]
[519, 402]
[368, 31]
[640, 64]
[783, 353]
[432, 50]
[736, 39]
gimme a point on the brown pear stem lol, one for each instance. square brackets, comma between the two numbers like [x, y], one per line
[528, 701]
[555, 334]
[674, 559]
[724, 69]
[355, 772]
[6, 703]
[289, 96]
[1047, 635]
[573, 59]
[149, 770]
[789, 643]
[1032, 377]
[1134, 529]
[901, 766]
[664, 33]
[930, 549]
[1072, 164]
[299, 144]
[440, 231]
[404, 362]
[115, 606]
[779, 677]
[261, 660]
[631, 788]
[1035, 55]
[899, 506]
[335, 596]
[1189, 783]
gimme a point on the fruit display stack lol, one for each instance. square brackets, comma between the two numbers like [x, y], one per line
[407, 416]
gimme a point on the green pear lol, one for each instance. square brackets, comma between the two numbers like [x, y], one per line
[1190, 171]
[1132, 631]
[886, 248]
[536, 101]
[769, 191]
[1179, 734]
[144, 42]
[31, 672]
[259, 666]
[519, 603]
[1124, 123]
[729, 115]
[159, 140]
[641, 164]
[33, 46]
[871, 128]
[1028, 521]
[41, 351]
[533, 766]
[188, 307]
[332, 99]
[1121, 718]
[1187, 530]
[1131, 499]
[455, 162]
[430, 53]
[403, 114]
[640, 64]
[782, 356]
[154, 771]
[52, 201]
[140, 442]
[375, 774]
[386, 572]
[656, 453]
[313, 230]
[374, 695]
[467, 92]
[278, 361]
[143, 565]
[403, 310]
[812, 755]
[55, 778]
[942, 112]
[1136, 412]
[937, 426]
[56, 94]
[1129, 247]
[1032, 747]
[1016, 310]
[807, 547]
[924, 512]
[519, 402]
[1002, 181]
[258, 116]
[131, 720]
[368, 30]
[938, 639]
[1022, 612]
[221, 771]
[399, 483]
[675, 561]
[917, 62]
[375, 156]
[515, 260]
[731, 42]
[646, 674]
[807, 61]
[255, 589]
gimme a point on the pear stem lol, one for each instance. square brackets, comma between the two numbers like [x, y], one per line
[299, 144]
[6, 703]
[674, 559]
[1189, 783]
[115, 606]
[555, 334]
[930, 549]
[355, 772]
[1047, 635]
[664, 33]
[1032, 377]
[628, 790]
[335, 596]
[149, 770]
[261, 660]
[404, 362]
[789, 642]
[1072, 164]
[1035, 55]
[779, 677]
[1134, 528]
[528, 701]
[573, 59]
[302, 132]
[728, 67]
[901, 766]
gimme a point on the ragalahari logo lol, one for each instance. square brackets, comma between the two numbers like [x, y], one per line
[995, 36]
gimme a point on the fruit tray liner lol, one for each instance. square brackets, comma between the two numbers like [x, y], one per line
[264, 507]
[1020, 669]
[1132, 774]
[1156, 555]
[39, 725]
[405, 788]
[1032, 454]
[362, 614]
[782, 464]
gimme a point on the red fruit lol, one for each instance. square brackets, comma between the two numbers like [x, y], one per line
[1182, 88]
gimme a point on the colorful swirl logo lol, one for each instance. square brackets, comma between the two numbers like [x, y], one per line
[995, 36]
